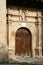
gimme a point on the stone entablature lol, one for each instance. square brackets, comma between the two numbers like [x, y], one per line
[23, 15]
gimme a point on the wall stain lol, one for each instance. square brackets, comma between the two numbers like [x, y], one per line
[12, 33]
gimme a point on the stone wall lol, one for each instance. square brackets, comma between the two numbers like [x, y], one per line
[3, 31]
[28, 18]
[17, 18]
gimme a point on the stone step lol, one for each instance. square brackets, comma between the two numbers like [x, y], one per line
[8, 64]
[19, 60]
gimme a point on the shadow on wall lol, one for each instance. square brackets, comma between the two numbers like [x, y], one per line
[42, 33]
[3, 53]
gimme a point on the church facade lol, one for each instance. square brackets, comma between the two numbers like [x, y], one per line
[21, 32]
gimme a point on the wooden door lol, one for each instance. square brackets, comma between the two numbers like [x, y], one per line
[23, 42]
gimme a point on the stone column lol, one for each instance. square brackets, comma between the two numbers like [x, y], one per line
[40, 38]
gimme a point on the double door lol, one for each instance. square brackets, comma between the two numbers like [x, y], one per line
[23, 43]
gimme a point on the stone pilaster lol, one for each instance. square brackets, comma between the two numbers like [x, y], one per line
[40, 39]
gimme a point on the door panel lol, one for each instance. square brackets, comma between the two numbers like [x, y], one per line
[18, 46]
[27, 46]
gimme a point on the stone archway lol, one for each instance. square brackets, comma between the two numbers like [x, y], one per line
[23, 40]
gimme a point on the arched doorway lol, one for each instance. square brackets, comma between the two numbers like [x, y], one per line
[23, 42]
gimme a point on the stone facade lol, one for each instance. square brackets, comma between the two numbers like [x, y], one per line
[3, 31]
[16, 18]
